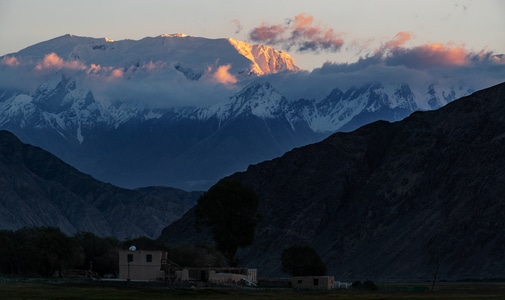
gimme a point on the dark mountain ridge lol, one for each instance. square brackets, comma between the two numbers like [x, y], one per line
[39, 189]
[388, 201]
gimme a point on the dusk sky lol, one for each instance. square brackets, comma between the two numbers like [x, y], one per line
[313, 32]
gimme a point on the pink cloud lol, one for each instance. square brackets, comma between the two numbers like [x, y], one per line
[53, 61]
[267, 34]
[223, 76]
[10, 61]
[112, 73]
[106, 72]
[302, 21]
[429, 55]
[443, 55]
[116, 73]
[423, 56]
[499, 59]
[484, 55]
[399, 39]
[93, 69]
[301, 33]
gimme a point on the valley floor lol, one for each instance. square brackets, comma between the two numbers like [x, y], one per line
[62, 289]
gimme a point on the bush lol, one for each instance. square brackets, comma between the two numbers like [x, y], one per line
[367, 285]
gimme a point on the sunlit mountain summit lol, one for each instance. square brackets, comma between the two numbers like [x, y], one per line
[192, 56]
[182, 111]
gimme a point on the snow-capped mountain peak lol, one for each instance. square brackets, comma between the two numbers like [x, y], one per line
[166, 53]
[259, 99]
[266, 60]
[174, 35]
[178, 110]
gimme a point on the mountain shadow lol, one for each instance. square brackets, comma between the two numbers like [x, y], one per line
[38, 189]
[388, 201]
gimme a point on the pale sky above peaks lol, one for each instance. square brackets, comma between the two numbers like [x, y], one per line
[313, 32]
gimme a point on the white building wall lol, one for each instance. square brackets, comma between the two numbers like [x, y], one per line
[144, 265]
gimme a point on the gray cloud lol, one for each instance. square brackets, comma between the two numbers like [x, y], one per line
[160, 85]
[299, 34]
[238, 26]
[154, 84]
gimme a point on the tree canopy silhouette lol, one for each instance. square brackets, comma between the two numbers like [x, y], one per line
[302, 261]
[230, 210]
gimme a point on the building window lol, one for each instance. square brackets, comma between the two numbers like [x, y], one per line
[129, 258]
[300, 281]
[316, 281]
[149, 258]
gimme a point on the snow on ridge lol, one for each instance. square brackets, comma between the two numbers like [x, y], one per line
[258, 99]
[174, 35]
[152, 115]
[335, 113]
[17, 106]
[330, 114]
[266, 60]
[80, 110]
[162, 55]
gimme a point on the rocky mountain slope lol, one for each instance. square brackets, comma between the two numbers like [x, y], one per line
[38, 189]
[388, 201]
[183, 111]
[191, 147]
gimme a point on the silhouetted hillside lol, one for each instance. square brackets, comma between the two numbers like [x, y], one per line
[389, 200]
[38, 189]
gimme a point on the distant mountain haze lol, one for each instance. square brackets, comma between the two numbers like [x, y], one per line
[182, 111]
[38, 189]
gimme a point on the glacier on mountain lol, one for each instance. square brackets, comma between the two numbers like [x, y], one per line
[63, 104]
[153, 111]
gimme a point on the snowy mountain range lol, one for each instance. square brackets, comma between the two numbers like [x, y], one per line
[184, 111]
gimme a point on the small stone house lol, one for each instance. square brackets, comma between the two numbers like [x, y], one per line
[144, 265]
[313, 282]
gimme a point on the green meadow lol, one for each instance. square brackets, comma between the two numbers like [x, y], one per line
[54, 290]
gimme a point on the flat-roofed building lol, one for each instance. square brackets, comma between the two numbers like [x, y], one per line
[141, 265]
[313, 282]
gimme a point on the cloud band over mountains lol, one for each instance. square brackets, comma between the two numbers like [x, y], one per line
[159, 84]
[391, 61]
[302, 34]
[434, 56]
[156, 83]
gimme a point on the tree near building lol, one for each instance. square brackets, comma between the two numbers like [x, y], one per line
[230, 210]
[302, 261]
[98, 254]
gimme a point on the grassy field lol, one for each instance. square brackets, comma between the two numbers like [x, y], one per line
[59, 291]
